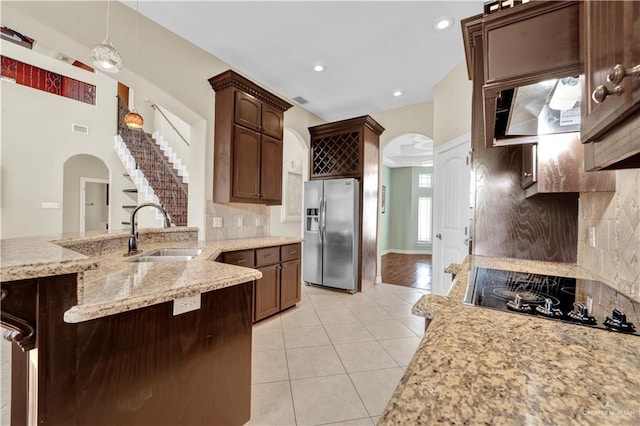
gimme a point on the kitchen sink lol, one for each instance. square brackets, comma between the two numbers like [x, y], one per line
[169, 255]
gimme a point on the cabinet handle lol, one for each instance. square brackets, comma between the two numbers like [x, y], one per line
[601, 92]
[241, 260]
[292, 252]
[268, 255]
[618, 73]
[526, 174]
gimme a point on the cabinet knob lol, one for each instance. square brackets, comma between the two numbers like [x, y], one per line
[618, 73]
[527, 174]
[601, 92]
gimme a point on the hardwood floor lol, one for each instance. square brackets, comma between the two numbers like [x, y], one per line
[409, 270]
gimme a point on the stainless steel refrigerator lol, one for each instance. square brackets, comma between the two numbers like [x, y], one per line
[331, 233]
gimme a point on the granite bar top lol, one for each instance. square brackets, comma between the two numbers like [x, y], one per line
[481, 366]
[109, 283]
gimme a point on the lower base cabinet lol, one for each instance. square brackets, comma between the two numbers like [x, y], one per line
[290, 284]
[280, 285]
[266, 293]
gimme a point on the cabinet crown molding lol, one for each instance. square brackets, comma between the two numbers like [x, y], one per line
[232, 78]
[349, 123]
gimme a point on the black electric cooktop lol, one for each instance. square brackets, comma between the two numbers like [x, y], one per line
[578, 301]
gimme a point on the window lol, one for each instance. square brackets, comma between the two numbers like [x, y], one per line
[424, 219]
[424, 180]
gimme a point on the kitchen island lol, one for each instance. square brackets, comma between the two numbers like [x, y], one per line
[109, 348]
[482, 366]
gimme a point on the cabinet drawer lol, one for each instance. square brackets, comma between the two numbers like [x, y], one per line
[290, 252]
[267, 256]
[240, 258]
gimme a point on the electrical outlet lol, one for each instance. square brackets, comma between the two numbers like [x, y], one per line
[217, 222]
[186, 304]
[592, 236]
[240, 221]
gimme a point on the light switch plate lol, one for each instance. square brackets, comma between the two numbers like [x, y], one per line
[240, 221]
[258, 221]
[186, 304]
[217, 222]
[592, 236]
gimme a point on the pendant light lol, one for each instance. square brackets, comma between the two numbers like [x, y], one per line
[133, 120]
[104, 56]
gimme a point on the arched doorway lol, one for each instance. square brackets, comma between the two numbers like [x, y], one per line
[85, 194]
[406, 217]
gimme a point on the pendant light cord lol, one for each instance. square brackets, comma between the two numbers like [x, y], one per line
[108, 8]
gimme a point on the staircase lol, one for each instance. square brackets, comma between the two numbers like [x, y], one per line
[158, 175]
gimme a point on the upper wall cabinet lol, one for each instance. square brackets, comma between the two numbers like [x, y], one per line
[248, 141]
[611, 53]
[530, 53]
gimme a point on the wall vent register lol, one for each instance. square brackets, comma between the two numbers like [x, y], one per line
[579, 301]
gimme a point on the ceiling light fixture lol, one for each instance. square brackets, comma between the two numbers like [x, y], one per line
[397, 93]
[104, 56]
[319, 68]
[443, 23]
[132, 119]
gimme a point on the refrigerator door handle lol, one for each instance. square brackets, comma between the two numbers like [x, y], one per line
[324, 218]
[321, 219]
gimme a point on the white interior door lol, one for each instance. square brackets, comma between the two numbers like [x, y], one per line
[94, 207]
[452, 211]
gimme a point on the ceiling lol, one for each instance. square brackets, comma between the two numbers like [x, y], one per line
[370, 48]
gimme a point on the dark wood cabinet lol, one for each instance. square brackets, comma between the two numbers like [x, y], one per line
[267, 293]
[279, 288]
[249, 126]
[529, 165]
[521, 46]
[349, 148]
[290, 280]
[271, 170]
[611, 53]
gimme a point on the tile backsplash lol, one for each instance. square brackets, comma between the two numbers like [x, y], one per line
[239, 220]
[611, 220]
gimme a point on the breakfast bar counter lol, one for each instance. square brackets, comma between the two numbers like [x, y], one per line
[101, 338]
[477, 365]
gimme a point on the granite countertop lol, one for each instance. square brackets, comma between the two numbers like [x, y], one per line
[108, 283]
[481, 366]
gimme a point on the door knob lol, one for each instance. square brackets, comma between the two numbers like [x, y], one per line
[618, 73]
[601, 92]
[439, 236]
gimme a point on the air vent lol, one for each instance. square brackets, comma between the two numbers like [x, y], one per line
[300, 100]
[79, 128]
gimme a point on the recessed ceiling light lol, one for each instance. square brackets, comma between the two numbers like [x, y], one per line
[443, 23]
[319, 68]
[398, 93]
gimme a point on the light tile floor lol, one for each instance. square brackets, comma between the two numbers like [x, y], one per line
[335, 359]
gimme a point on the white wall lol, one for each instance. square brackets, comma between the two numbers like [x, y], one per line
[77, 167]
[37, 140]
[452, 106]
[168, 71]
[296, 157]
[416, 118]
[171, 135]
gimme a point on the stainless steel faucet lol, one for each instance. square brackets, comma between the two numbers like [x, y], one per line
[133, 235]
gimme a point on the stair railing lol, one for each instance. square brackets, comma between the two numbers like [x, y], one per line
[157, 108]
[157, 170]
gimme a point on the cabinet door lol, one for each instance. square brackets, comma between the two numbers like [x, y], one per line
[609, 36]
[247, 111]
[271, 170]
[272, 120]
[290, 284]
[267, 293]
[246, 164]
[529, 165]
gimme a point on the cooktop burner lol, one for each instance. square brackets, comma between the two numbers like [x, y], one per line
[583, 302]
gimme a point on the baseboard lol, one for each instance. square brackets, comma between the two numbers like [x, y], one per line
[406, 251]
